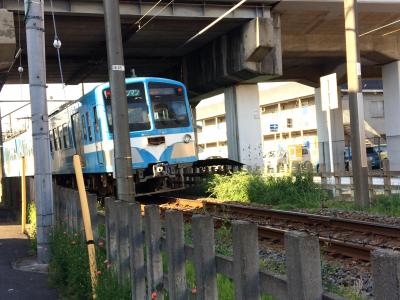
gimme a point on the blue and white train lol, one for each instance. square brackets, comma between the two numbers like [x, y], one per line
[161, 135]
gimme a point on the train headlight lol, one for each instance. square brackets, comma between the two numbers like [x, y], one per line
[187, 138]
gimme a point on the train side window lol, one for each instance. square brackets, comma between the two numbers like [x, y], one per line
[55, 139]
[88, 126]
[51, 140]
[84, 128]
[66, 139]
[96, 120]
[59, 129]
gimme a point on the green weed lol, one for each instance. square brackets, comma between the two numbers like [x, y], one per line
[31, 220]
[287, 192]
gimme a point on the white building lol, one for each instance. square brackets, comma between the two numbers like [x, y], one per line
[288, 121]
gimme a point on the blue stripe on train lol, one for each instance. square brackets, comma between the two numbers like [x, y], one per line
[92, 164]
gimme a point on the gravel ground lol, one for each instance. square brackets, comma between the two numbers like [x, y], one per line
[353, 275]
[356, 215]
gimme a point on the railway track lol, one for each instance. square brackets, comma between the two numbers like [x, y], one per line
[338, 236]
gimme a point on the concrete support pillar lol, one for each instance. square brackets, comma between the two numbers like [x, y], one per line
[336, 116]
[391, 93]
[244, 137]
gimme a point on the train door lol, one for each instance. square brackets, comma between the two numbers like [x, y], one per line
[98, 138]
[77, 136]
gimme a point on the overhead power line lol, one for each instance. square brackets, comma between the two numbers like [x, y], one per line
[153, 7]
[380, 27]
[215, 22]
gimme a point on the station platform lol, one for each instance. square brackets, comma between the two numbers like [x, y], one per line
[18, 284]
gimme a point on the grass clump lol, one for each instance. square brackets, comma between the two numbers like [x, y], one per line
[32, 234]
[286, 192]
[69, 268]
[382, 205]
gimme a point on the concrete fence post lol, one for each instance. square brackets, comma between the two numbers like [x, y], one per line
[386, 273]
[92, 202]
[61, 215]
[123, 242]
[303, 265]
[112, 232]
[75, 208]
[79, 215]
[56, 203]
[386, 176]
[177, 288]
[152, 225]
[245, 260]
[204, 257]
[70, 210]
[136, 252]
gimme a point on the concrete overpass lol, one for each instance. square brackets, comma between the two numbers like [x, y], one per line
[307, 35]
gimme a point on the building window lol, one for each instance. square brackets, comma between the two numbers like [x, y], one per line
[307, 102]
[209, 122]
[377, 109]
[289, 123]
[269, 109]
[223, 143]
[211, 145]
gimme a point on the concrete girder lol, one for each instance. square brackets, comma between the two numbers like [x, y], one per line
[240, 56]
[7, 43]
[194, 9]
[334, 45]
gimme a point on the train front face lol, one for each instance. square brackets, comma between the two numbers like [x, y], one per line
[161, 132]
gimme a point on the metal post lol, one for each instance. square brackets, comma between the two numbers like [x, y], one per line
[119, 104]
[40, 127]
[356, 105]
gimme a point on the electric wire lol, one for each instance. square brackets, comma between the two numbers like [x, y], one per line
[215, 22]
[56, 39]
[57, 45]
[20, 68]
[380, 27]
[156, 15]
[141, 18]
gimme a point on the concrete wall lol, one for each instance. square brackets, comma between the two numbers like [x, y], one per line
[374, 117]
[391, 90]
[7, 43]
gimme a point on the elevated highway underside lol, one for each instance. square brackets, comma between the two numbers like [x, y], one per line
[304, 40]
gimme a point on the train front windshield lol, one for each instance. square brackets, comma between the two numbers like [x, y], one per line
[168, 105]
[138, 112]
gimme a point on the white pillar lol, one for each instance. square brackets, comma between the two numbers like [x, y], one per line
[244, 137]
[337, 130]
[391, 94]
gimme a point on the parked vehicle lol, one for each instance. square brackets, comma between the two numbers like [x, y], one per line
[372, 155]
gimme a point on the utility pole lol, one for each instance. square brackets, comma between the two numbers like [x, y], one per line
[40, 125]
[356, 105]
[119, 104]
